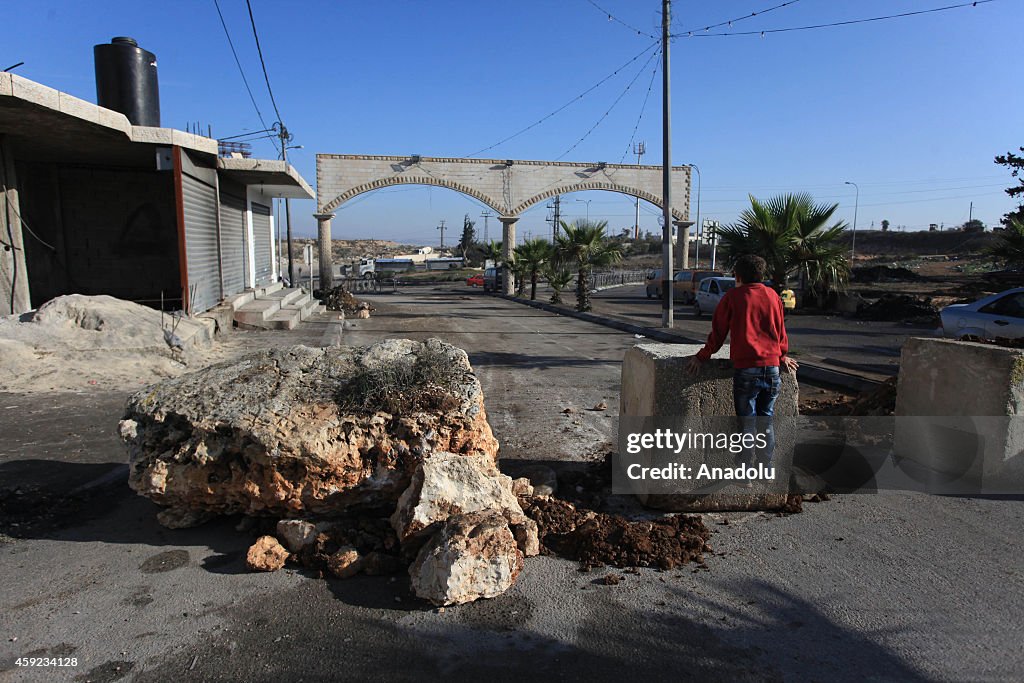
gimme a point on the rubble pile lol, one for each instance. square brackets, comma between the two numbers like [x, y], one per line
[879, 401]
[883, 274]
[374, 459]
[340, 299]
[900, 308]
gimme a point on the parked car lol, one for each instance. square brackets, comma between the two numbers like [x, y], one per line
[999, 315]
[492, 279]
[710, 292]
[653, 283]
[685, 283]
[475, 280]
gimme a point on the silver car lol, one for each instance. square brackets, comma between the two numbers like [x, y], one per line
[999, 315]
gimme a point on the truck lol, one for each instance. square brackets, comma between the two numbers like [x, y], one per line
[366, 268]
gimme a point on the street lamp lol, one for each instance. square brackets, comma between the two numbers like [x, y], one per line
[587, 202]
[853, 244]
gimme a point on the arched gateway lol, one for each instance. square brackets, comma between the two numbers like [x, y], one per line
[510, 187]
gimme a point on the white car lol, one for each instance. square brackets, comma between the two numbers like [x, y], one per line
[710, 292]
[999, 315]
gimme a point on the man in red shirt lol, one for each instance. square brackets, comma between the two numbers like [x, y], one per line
[752, 315]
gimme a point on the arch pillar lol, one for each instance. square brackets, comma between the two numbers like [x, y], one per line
[683, 243]
[323, 221]
[508, 244]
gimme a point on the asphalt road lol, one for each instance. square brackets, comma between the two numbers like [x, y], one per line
[855, 344]
[867, 587]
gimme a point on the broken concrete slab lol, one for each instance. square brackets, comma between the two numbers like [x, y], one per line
[303, 431]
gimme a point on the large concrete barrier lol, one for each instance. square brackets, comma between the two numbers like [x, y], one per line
[655, 384]
[960, 412]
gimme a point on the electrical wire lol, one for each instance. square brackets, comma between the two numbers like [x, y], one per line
[567, 104]
[605, 115]
[643, 107]
[612, 17]
[848, 22]
[238, 63]
[729, 22]
[263, 64]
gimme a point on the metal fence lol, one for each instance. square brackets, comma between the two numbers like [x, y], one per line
[615, 278]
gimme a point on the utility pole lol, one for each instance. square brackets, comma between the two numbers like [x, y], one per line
[556, 219]
[441, 228]
[666, 171]
[970, 214]
[285, 139]
[639, 149]
[486, 216]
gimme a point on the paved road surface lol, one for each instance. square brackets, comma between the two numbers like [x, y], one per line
[870, 587]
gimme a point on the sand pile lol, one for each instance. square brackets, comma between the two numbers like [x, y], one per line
[78, 341]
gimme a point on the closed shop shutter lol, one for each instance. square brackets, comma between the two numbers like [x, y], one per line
[233, 251]
[201, 248]
[262, 244]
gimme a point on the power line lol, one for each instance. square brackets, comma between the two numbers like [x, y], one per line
[609, 111]
[848, 22]
[567, 104]
[238, 63]
[612, 17]
[729, 22]
[263, 63]
[643, 107]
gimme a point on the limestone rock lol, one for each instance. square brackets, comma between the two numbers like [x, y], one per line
[266, 555]
[446, 484]
[522, 487]
[526, 533]
[304, 431]
[542, 478]
[296, 534]
[345, 562]
[472, 556]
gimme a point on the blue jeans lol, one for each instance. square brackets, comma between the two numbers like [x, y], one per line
[754, 392]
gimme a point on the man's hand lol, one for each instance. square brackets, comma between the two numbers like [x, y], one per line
[789, 365]
[693, 365]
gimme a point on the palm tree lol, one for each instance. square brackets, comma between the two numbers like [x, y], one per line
[791, 233]
[558, 277]
[532, 256]
[583, 245]
[492, 251]
[1009, 246]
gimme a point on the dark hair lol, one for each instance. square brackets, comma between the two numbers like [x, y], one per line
[750, 268]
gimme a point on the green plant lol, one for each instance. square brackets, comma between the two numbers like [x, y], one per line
[1009, 244]
[558, 278]
[583, 245]
[531, 258]
[402, 387]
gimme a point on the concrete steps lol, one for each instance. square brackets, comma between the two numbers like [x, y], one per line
[273, 308]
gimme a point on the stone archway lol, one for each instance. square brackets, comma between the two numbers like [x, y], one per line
[508, 186]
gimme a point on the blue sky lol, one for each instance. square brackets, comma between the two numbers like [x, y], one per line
[912, 109]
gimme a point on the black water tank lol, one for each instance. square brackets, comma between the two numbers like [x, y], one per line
[126, 81]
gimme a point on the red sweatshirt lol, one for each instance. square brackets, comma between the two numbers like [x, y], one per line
[752, 316]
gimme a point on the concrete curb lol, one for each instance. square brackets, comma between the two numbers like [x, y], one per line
[812, 369]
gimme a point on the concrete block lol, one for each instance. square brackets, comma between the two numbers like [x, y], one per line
[656, 384]
[156, 136]
[6, 85]
[33, 92]
[115, 119]
[73, 106]
[960, 411]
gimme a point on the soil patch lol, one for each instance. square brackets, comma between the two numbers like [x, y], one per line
[596, 539]
[900, 307]
[883, 273]
[875, 402]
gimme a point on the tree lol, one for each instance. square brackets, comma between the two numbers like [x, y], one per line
[974, 225]
[1009, 245]
[558, 277]
[493, 251]
[1015, 163]
[583, 245]
[532, 255]
[885, 226]
[468, 235]
[791, 233]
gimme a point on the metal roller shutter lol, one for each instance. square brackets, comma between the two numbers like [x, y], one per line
[233, 251]
[201, 248]
[263, 244]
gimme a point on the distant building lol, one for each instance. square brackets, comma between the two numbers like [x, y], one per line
[97, 205]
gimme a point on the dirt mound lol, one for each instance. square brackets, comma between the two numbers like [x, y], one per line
[879, 401]
[77, 341]
[900, 307]
[340, 299]
[596, 539]
[883, 274]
